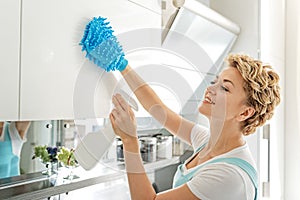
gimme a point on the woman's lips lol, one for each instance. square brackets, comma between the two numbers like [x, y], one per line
[208, 100]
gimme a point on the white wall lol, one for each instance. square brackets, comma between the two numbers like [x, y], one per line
[273, 52]
[292, 129]
[245, 14]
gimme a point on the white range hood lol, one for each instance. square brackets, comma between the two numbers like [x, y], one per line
[204, 26]
[202, 37]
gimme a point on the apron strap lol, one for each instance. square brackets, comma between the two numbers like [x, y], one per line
[244, 165]
[200, 148]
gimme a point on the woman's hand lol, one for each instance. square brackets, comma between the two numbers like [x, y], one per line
[122, 118]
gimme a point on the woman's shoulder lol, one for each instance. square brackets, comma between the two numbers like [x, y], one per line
[228, 180]
[242, 152]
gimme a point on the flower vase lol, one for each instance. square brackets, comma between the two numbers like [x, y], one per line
[50, 169]
[70, 173]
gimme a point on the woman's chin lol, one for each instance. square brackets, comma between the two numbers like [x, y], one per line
[204, 111]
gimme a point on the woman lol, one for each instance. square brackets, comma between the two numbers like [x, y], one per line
[240, 99]
[12, 138]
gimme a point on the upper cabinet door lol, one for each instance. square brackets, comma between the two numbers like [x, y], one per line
[57, 82]
[9, 59]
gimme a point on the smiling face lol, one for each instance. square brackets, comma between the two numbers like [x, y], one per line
[225, 99]
[245, 93]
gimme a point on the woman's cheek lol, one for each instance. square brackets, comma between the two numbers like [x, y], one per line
[219, 109]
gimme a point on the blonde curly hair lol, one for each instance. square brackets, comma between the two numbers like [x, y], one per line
[261, 85]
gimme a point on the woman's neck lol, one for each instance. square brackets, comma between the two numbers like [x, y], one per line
[223, 139]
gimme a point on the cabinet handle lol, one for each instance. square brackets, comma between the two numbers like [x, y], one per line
[49, 126]
[266, 185]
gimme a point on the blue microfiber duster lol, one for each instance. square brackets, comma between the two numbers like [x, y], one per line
[102, 47]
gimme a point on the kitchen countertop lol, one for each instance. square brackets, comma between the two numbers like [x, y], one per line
[38, 186]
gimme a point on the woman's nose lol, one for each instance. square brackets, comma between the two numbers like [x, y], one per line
[212, 89]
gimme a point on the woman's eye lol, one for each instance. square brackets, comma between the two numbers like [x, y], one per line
[224, 88]
[213, 82]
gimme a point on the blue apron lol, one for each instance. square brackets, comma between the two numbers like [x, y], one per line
[180, 178]
[9, 163]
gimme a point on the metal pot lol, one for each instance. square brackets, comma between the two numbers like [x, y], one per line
[148, 148]
[119, 149]
[164, 146]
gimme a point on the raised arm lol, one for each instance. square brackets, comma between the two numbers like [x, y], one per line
[103, 48]
[152, 103]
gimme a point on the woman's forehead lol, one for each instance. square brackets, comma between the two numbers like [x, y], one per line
[232, 74]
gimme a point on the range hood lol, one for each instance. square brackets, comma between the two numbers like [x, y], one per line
[210, 37]
[204, 26]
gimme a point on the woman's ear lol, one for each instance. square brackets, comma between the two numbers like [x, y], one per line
[246, 113]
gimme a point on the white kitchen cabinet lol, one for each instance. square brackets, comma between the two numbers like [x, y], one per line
[57, 81]
[9, 59]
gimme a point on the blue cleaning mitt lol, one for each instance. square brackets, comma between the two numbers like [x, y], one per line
[102, 47]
